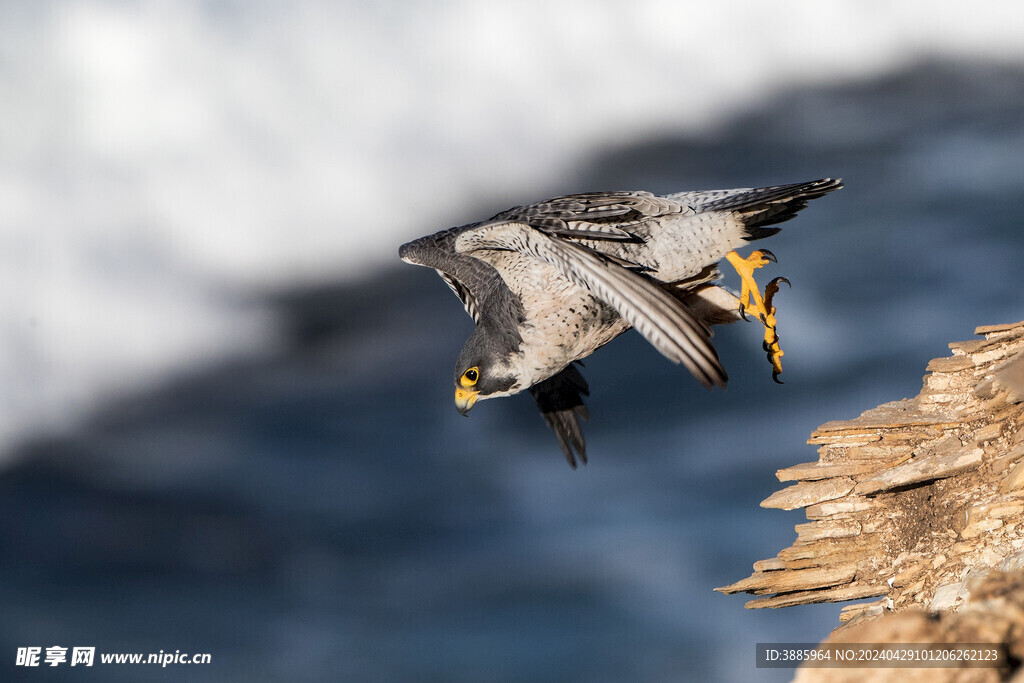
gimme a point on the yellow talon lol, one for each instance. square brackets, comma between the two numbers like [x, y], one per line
[752, 301]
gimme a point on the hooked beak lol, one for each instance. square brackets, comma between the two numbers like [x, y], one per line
[464, 399]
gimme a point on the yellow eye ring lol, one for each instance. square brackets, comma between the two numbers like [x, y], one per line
[470, 377]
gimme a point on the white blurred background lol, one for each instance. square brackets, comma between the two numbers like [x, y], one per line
[162, 161]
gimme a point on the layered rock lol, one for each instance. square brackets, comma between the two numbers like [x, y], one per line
[912, 499]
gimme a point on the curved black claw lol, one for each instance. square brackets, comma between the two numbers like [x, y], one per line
[764, 345]
[777, 280]
[775, 378]
[764, 320]
[769, 255]
[743, 313]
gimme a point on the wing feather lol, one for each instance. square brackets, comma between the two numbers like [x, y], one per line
[592, 216]
[471, 279]
[560, 399]
[469, 301]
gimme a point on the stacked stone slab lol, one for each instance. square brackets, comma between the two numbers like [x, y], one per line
[913, 498]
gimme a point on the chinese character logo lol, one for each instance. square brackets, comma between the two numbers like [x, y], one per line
[28, 656]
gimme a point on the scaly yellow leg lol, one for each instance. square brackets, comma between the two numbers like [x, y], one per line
[751, 300]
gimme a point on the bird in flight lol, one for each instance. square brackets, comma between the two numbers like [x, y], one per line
[549, 283]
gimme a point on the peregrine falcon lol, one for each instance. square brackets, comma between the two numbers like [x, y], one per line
[549, 283]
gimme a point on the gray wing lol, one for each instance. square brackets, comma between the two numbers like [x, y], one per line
[594, 215]
[560, 399]
[465, 294]
[471, 279]
[655, 314]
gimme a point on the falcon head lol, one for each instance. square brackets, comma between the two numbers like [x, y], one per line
[483, 371]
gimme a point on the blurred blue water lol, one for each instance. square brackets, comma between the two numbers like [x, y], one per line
[324, 514]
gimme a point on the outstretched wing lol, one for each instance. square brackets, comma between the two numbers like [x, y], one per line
[655, 314]
[465, 294]
[593, 216]
[471, 279]
[560, 399]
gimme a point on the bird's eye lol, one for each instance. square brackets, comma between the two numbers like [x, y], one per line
[470, 377]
